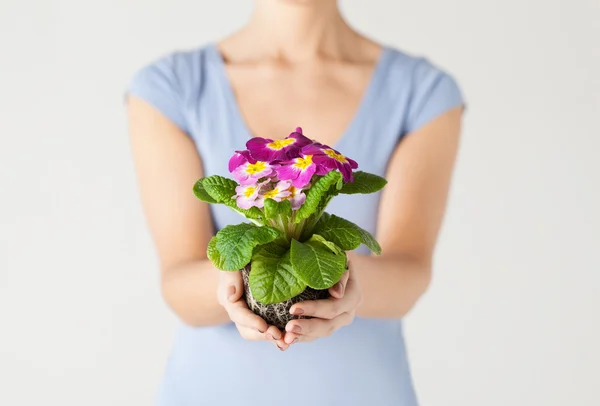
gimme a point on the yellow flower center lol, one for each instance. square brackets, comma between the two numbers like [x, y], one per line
[249, 191]
[338, 157]
[280, 144]
[256, 168]
[303, 163]
[271, 193]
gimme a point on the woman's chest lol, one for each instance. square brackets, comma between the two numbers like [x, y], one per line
[324, 102]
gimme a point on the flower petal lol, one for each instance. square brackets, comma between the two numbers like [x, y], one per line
[346, 171]
[288, 172]
[298, 200]
[305, 176]
[353, 163]
[235, 161]
[245, 203]
[323, 170]
[312, 149]
[300, 140]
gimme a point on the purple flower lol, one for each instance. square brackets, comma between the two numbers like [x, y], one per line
[298, 170]
[328, 159]
[268, 150]
[277, 193]
[240, 158]
[251, 173]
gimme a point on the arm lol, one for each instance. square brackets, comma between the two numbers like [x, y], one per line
[411, 213]
[167, 166]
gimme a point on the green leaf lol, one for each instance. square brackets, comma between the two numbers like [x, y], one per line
[201, 192]
[253, 213]
[219, 188]
[272, 278]
[275, 209]
[318, 195]
[316, 265]
[345, 234]
[235, 244]
[364, 183]
[332, 246]
[222, 190]
[213, 253]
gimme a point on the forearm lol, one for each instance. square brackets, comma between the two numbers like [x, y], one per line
[190, 290]
[390, 285]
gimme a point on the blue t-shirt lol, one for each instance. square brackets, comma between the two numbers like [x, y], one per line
[363, 364]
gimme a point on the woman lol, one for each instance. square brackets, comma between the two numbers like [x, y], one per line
[296, 63]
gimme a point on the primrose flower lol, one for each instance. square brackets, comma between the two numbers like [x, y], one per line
[250, 173]
[240, 158]
[327, 157]
[278, 193]
[299, 170]
[296, 197]
[246, 195]
[265, 149]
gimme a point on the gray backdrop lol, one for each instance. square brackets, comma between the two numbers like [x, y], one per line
[511, 318]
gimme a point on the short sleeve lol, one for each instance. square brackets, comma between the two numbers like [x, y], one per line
[158, 84]
[434, 93]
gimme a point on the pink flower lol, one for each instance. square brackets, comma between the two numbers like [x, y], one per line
[298, 170]
[296, 197]
[265, 149]
[278, 193]
[246, 196]
[329, 159]
[240, 158]
[250, 173]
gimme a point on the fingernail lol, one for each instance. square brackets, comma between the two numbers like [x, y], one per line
[230, 292]
[295, 340]
[270, 337]
[293, 329]
[280, 349]
[339, 288]
[298, 311]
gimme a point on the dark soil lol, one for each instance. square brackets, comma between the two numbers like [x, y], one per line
[278, 314]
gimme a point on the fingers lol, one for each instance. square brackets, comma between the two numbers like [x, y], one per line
[309, 329]
[275, 336]
[337, 290]
[272, 334]
[329, 308]
[293, 338]
[243, 317]
[250, 334]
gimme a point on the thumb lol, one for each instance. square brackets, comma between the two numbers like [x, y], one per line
[337, 290]
[233, 284]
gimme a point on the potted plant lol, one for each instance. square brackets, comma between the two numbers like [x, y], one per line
[289, 249]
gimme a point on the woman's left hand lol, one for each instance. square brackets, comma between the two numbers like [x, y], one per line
[328, 315]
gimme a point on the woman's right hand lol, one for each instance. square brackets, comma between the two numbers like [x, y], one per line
[250, 326]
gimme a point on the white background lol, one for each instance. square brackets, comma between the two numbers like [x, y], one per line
[512, 316]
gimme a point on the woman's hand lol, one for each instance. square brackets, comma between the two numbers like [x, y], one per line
[328, 315]
[250, 326]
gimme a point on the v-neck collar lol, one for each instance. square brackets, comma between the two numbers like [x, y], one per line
[367, 98]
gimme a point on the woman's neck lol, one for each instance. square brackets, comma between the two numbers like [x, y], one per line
[295, 30]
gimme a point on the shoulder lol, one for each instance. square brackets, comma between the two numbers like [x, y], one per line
[427, 90]
[169, 81]
[418, 70]
[175, 68]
